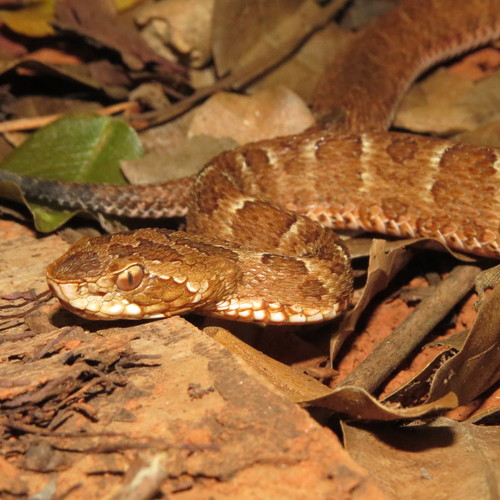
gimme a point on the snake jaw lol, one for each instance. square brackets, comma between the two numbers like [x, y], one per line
[75, 298]
[104, 299]
[111, 305]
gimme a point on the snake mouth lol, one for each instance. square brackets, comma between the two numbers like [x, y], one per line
[92, 300]
[99, 305]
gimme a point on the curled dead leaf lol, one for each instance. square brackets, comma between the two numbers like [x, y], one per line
[300, 388]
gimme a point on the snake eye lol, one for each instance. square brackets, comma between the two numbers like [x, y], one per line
[130, 278]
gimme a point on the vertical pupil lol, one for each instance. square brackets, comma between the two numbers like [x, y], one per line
[130, 278]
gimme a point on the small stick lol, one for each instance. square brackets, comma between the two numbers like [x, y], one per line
[41, 121]
[391, 352]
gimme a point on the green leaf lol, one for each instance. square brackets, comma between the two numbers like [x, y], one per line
[80, 148]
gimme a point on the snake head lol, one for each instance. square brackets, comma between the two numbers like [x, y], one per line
[149, 273]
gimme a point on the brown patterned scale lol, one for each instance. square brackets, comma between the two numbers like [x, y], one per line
[258, 246]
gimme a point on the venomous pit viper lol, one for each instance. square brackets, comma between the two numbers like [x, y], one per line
[258, 245]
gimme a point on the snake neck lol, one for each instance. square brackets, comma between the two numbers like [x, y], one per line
[362, 89]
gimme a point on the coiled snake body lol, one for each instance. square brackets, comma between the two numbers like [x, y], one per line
[258, 246]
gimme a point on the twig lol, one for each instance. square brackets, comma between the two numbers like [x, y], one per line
[41, 121]
[37, 301]
[390, 353]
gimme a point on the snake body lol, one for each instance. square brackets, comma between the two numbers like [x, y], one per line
[259, 245]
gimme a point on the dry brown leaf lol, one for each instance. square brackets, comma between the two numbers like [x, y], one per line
[296, 386]
[301, 71]
[187, 159]
[386, 260]
[476, 367]
[170, 154]
[267, 114]
[245, 32]
[33, 105]
[48, 55]
[33, 19]
[490, 416]
[446, 103]
[454, 341]
[11, 49]
[184, 24]
[358, 403]
[97, 20]
[487, 135]
[417, 388]
[108, 74]
[301, 388]
[5, 148]
[79, 73]
[150, 95]
[444, 459]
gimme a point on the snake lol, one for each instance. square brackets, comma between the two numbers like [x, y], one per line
[259, 244]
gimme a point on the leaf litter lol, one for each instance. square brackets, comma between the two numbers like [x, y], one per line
[70, 386]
